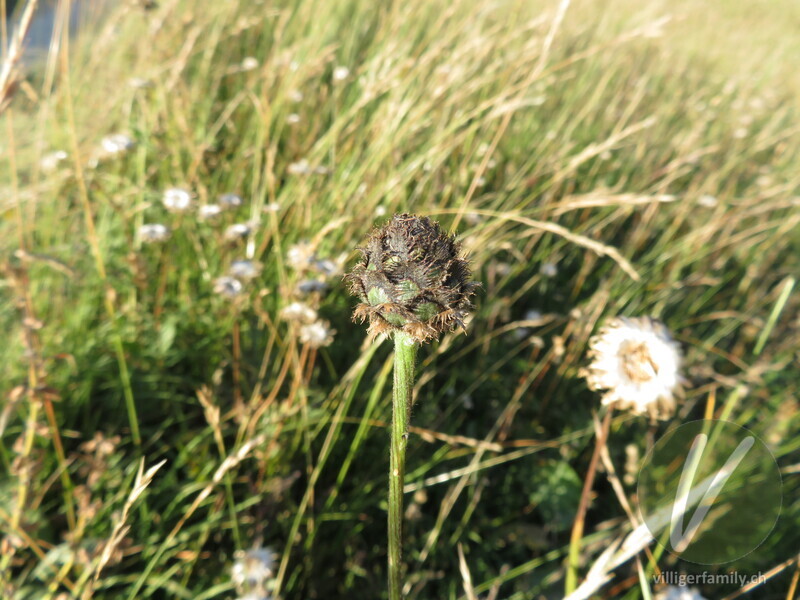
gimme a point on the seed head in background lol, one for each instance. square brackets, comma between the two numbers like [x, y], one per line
[637, 363]
[412, 279]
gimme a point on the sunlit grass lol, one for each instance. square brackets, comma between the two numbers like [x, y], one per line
[634, 161]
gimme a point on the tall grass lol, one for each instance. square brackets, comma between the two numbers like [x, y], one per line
[595, 160]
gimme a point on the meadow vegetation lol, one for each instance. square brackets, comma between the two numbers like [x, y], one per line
[595, 161]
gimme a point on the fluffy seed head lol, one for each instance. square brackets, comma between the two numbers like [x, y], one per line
[116, 145]
[637, 363]
[51, 161]
[253, 571]
[298, 312]
[177, 200]
[679, 592]
[245, 269]
[317, 334]
[411, 278]
[237, 231]
[228, 201]
[154, 232]
[228, 287]
[209, 212]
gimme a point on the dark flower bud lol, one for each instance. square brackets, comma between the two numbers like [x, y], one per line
[411, 279]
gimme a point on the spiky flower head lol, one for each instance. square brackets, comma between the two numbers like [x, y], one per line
[637, 363]
[412, 278]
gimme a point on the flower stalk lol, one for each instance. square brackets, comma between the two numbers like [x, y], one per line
[414, 285]
[405, 351]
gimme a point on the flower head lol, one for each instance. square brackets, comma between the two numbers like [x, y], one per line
[229, 287]
[154, 232]
[327, 267]
[299, 312]
[253, 569]
[412, 278]
[637, 363]
[139, 83]
[245, 269]
[311, 286]
[301, 167]
[317, 334]
[679, 592]
[50, 162]
[177, 200]
[549, 269]
[111, 147]
[237, 231]
[300, 256]
[227, 201]
[208, 212]
[116, 144]
[341, 73]
[249, 63]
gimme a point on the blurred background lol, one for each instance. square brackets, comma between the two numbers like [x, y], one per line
[188, 410]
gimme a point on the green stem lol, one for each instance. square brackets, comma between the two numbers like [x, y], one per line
[405, 350]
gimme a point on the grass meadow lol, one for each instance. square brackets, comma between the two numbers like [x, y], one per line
[595, 159]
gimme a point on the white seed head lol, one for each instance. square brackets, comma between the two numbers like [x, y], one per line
[245, 269]
[301, 167]
[637, 363]
[252, 569]
[237, 231]
[272, 207]
[341, 73]
[229, 287]
[317, 334]
[249, 63]
[177, 200]
[296, 96]
[533, 315]
[679, 592]
[154, 232]
[209, 212]
[548, 269]
[299, 312]
[50, 162]
[139, 83]
[116, 145]
[227, 201]
[293, 119]
[300, 256]
[707, 201]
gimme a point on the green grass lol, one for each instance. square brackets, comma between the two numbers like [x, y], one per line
[585, 144]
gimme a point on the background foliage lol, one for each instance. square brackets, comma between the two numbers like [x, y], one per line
[640, 159]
